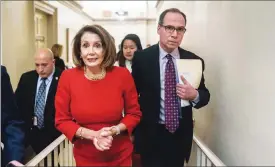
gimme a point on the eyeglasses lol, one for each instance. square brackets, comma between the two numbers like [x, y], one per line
[171, 29]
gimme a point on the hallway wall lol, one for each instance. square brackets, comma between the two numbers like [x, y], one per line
[119, 29]
[152, 37]
[18, 45]
[71, 20]
[18, 35]
[236, 40]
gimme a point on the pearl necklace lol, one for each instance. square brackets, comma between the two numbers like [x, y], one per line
[95, 77]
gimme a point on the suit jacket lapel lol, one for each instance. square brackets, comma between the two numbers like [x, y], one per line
[51, 89]
[33, 85]
[155, 68]
[184, 54]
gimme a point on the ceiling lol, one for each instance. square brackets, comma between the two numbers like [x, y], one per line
[106, 10]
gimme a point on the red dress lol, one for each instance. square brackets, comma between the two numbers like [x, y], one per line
[94, 105]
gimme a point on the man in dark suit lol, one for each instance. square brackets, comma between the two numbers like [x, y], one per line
[35, 96]
[164, 135]
[11, 125]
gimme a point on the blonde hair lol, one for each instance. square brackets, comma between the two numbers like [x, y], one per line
[57, 50]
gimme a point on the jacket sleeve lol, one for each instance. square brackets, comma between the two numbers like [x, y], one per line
[131, 106]
[204, 95]
[63, 117]
[135, 71]
[12, 125]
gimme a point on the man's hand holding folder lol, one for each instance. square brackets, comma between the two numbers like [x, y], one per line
[190, 73]
[186, 91]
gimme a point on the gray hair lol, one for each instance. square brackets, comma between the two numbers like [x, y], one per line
[172, 10]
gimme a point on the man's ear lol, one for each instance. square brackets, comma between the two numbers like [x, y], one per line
[158, 29]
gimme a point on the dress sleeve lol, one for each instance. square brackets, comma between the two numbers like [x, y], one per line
[131, 106]
[63, 117]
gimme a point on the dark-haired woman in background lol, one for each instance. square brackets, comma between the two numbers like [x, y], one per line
[128, 46]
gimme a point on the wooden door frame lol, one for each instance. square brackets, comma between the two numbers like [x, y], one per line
[52, 24]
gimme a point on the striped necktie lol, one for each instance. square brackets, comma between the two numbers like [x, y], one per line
[40, 104]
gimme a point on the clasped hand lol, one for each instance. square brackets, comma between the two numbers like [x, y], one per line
[103, 139]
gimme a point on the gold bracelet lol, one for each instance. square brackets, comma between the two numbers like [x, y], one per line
[117, 130]
[80, 134]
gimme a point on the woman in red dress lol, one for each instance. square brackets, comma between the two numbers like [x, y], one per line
[90, 99]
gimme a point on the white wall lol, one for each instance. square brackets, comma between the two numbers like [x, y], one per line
[236, 40]
[152, 36]
[17, 21]
[62, 39]
[18, 42]
[68, 19]
[135, 9]
[119, 29]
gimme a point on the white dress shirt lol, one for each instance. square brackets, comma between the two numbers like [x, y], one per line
[162, 63]
[128, 65]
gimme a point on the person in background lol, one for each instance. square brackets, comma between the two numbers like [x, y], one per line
[57, 52]
[89, 101]
[12, 133]
[35, 96]
[166, 128]
[128, 46]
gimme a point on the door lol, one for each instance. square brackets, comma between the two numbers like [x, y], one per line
[41, 24]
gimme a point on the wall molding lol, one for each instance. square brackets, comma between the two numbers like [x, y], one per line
[76, 7]
[44, 7]
[158, 3]
[127, 19]
[52, 29]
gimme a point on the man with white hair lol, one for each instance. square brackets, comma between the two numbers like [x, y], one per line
[35, 96]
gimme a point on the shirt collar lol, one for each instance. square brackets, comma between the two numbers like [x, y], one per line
[175, 53]
[128, 62]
